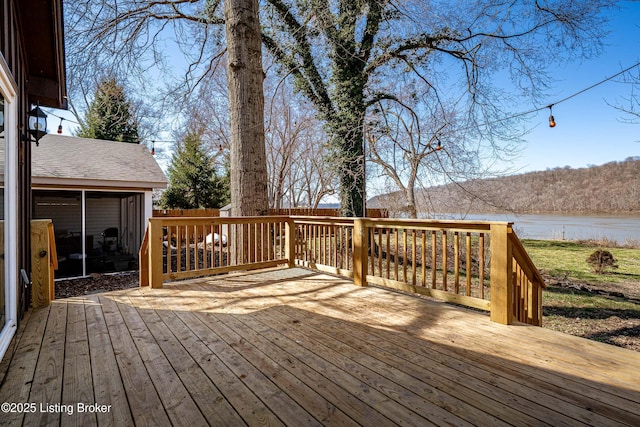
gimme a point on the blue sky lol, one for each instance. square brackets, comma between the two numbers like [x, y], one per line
[588, 131]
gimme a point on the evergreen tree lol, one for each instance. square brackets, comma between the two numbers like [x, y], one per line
[110, 116]
[193, 182]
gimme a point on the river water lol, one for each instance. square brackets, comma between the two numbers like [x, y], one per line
[619, 228]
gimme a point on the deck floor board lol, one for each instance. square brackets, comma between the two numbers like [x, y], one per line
[46, 387]
[109, 389]
[297, 347]
[78, 387]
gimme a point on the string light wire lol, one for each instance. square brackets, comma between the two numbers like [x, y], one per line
[573, 95]
[513, 116]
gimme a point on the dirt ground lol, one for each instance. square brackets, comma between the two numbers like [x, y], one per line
[628, 290]
[616, 327]
[96, 283]
[617, 323]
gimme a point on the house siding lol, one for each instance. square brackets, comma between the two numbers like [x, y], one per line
[12, 54]
[18, 41]
[16, 170]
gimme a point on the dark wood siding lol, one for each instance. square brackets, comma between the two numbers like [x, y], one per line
[13, 53]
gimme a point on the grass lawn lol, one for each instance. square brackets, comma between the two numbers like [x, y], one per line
[580, 302]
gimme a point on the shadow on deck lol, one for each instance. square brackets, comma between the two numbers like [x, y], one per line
[298, 347]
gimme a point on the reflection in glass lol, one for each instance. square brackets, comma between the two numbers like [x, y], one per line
[64, 208]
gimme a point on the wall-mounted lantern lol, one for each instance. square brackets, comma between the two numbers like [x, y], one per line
[37, 123]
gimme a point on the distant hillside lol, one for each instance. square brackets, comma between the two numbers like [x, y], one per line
[613, 188]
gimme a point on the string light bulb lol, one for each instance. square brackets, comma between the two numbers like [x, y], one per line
[552, 121]
[433, 149]
[60, 126]
[153, 148]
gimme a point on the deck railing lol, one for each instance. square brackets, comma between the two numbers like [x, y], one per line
[180, 248]
[477, 264]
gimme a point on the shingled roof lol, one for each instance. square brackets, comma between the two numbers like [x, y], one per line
[67, 160]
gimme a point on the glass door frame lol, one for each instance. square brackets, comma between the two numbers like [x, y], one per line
[8, 89]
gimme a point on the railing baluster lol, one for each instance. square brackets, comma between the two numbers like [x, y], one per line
[423, 257]
[405, 255]
[303, 242]
[413, 257]
[277, 240]
[179, 245]
[434, 258]
[327, 245]
[396, 253]
[481, 250]
[259, 242]
[350, 248]
[316, 241]
[347, 243]
[255, 240]
[380, 251]
[388, 253]
[210, 253]
[336, 247]
[187, 246]
[370, 252]
[456, 262]
[271, 228]
[238, 248]
[469, 267]
[321, 234]
[444, 260]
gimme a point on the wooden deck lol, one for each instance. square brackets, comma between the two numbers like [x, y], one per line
[296, 347]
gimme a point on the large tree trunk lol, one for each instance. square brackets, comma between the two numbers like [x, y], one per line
[346, 129]
[249, 195]
[351, 170]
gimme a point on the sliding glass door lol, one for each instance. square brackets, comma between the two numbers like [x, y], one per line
[8, 209]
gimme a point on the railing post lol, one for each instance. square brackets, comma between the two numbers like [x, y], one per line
[501, 274]
[290, 242]
[43, 262]
[360, 251]
[155, 252]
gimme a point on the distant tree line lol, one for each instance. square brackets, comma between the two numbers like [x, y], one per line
[612, 188]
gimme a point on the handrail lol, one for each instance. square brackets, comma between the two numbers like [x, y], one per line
[525, 261]
[371, 212]
[460, 225]
[528, 285]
